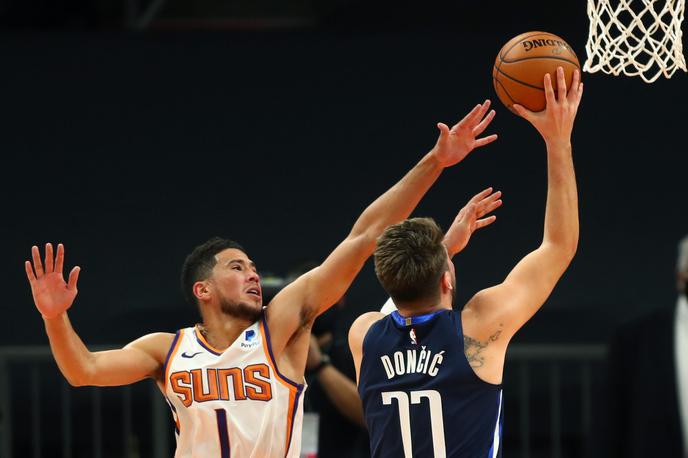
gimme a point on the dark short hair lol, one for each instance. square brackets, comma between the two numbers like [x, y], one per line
[199, 264]
[410, 259]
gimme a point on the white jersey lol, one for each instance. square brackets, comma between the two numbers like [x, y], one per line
[233, 403]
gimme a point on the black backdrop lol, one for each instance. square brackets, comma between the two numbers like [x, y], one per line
[132, 147]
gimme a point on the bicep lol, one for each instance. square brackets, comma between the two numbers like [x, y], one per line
[525, 289]
[140, 359]
[328, 282]
[317, 290]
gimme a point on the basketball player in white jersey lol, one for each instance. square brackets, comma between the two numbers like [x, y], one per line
[235, 382]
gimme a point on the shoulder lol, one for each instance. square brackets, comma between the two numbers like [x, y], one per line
[476, 315]
[361, 325]
[487, 298]
[357, 333]
[156, 344]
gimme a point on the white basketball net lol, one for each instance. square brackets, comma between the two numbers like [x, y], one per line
[635, 37]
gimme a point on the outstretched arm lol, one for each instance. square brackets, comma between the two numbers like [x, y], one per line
[312, 293]
[526, 288]
[53, 297]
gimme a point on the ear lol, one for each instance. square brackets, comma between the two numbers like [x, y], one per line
[201, 290]
[447, 282]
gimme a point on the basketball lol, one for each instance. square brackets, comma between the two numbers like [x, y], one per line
[521, 65]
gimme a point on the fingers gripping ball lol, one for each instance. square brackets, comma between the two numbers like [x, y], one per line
[521, 65]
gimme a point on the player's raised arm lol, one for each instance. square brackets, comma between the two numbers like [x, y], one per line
[529, 284]
[318, 289]
[53, 297]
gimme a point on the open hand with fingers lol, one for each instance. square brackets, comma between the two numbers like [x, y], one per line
[51, 294]
[471, 218]
[454, 144]
[555, 123]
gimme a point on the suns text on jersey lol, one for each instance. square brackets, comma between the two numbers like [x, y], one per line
[412, 361]
[233, 384]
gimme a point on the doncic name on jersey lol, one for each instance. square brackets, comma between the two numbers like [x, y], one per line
[412, 361]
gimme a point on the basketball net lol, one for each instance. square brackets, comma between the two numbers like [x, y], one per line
[635, 37]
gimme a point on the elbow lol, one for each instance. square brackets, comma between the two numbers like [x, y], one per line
[564, 250]
[364, 241]
[569, 249]
[75, 381]
[359, 418]
[81, 377]
[573, 246]
[562, 239]
[369, 233]
[565, 242]
[574, 249]
[84, 378]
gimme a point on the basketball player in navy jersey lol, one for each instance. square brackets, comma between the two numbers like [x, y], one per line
[235, 381]
[430, 377]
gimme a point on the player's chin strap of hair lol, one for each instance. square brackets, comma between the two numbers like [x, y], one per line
[388, 307]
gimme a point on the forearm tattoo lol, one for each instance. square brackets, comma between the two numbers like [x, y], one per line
[473, 347]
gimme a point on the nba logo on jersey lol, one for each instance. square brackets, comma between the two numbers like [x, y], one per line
[412, 335]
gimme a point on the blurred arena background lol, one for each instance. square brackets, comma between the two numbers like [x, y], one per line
[134, 130]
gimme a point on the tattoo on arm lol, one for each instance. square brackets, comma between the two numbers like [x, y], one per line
[472, 348]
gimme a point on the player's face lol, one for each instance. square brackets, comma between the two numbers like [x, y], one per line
[237, 284]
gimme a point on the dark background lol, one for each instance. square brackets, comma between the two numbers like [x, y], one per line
[277, 124]
[132, 137]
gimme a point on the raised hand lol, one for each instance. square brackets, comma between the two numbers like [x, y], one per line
[454, 144]
[51, 294]
[555, 123]
[471, 218]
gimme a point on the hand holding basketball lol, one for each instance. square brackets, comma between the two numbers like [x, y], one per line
[523, 61]
[555, 124]
[51, 294]
[454, 144]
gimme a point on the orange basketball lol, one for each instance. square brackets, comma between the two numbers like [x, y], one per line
[521, 65]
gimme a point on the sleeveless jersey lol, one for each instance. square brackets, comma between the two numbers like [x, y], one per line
[421, 398]
[232, 403]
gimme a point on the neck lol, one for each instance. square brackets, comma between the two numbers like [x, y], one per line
[221, 331]
[407, 309]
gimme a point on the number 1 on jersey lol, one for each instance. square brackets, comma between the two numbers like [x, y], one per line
[221, 415]
[436, 421]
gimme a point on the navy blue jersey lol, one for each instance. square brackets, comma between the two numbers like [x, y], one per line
[421, 397]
